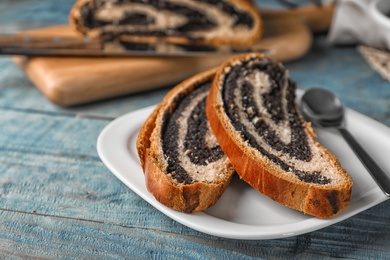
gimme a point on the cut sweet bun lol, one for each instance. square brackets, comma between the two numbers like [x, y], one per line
[184, 167]
[233, 22]
[251, 109]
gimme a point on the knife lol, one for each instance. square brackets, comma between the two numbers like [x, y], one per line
[88, 47]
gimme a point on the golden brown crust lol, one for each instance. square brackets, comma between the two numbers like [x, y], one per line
[143, 140]
[74, 16]
[182, 197]
[256, 34]
[318, 200]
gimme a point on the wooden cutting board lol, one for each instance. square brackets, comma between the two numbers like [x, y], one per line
[72, 81]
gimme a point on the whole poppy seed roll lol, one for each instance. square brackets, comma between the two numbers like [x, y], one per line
[233, 22]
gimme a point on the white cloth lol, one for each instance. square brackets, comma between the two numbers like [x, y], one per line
[361, 22]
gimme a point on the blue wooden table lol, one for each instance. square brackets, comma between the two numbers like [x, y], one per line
[58, 200]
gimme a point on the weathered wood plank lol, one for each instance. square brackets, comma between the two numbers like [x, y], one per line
[66, 238]
[49, 165]
[28, 13]
[55, 192]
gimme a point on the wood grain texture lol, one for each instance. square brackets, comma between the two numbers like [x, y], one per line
[317, 18]
[36, 235]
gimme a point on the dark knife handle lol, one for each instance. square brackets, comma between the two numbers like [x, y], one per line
[381, 178]
[34, 41]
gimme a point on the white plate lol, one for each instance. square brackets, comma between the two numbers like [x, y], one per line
[242, 212]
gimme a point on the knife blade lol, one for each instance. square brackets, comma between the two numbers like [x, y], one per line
[88, 47]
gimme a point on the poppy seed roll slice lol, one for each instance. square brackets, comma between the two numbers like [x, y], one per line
[185, 169]
[251, 109]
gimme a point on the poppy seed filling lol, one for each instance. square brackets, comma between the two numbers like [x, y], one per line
[143, 15]
[198, 147]
[259, 100]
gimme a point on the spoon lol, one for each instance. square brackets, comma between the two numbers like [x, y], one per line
[323, 108]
